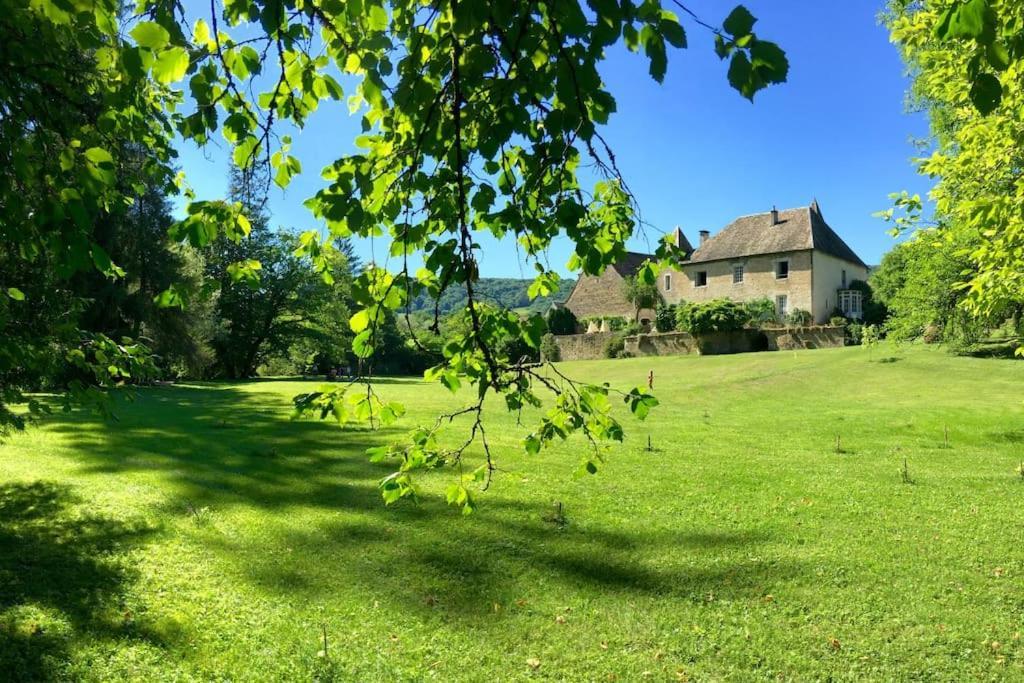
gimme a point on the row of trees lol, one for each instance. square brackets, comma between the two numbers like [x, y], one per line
[961, 277]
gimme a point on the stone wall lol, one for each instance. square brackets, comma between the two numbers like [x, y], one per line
[817, 337]
[711, 344]
[591, 346]
[742, 341]
[583, 346]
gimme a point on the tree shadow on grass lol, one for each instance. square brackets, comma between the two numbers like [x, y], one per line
[427, 562]
[220, 447]
[63, 575]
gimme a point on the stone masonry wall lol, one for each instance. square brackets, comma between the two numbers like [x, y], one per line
[758, 280]
[789, 339]
[742, 341]
[583, 346]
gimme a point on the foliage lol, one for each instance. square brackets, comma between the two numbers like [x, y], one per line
[874, 311]
[640, 293]
[549, 350]
[477, 116]
[761, 311]
[615, 347]
[838, 321]
[665, 317]
[917, 283]
[561, 320]
[855, 333]
[967, 61]
[799, 317]
[503, 292]
[871, 335]
[717, 315]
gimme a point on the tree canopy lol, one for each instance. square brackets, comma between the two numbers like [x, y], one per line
[478, 116]
[966, 58]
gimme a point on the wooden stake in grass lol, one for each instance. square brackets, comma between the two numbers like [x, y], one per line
[649, 447]
[945, 435]
[324, 627]
[839, 447]
[905, 473]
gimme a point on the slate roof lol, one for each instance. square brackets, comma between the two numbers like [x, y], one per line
[628, 266]
[797, 230]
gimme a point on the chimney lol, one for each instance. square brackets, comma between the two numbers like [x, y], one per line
[775, 216]
[704, 234]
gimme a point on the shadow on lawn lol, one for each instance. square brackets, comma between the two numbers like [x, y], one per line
[436, 562]
[63, 574]
[220, 447]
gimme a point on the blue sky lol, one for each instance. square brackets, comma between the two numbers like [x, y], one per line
[697, 154]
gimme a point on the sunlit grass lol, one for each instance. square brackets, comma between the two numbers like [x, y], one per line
[205, 535]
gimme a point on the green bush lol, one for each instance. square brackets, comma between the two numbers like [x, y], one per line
[561, 320]
[549, 348]
[614, 323]
[665, 318]
[616, 347]
[761, 311]
[837, 321]
[717, 315]
[633, 327]
[854, 333]
[798, 317]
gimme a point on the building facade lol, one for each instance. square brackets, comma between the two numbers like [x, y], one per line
[791, 257]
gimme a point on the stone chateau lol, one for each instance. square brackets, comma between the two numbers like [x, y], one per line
[792, 257]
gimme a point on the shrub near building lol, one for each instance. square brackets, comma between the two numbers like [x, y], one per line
[717, 315]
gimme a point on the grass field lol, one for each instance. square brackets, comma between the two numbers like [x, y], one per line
[205, 536]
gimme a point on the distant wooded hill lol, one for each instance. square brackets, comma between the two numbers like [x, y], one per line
[505, 292]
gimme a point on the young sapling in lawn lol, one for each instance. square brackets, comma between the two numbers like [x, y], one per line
[905, 473]
[557, 515]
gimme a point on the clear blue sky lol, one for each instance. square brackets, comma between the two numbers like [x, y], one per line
[695, 153]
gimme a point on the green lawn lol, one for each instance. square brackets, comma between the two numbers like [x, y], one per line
[206, 536]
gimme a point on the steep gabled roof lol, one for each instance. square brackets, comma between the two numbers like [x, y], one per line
[627, 266]
[797, 230]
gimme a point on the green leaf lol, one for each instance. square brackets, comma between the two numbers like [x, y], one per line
[15, 293]
[170, 298]
[171, 65]
[100, 165]
[654, 48]
[361, 345]
[973, 19]
[150, 34]
[998, 56]
[986, 93]
[245, 151]
[378, 18]
[246, 271]
[740, 22]
[740, 73]
[450, 379]
[101, 259]
[672, 30]
[359, 321]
